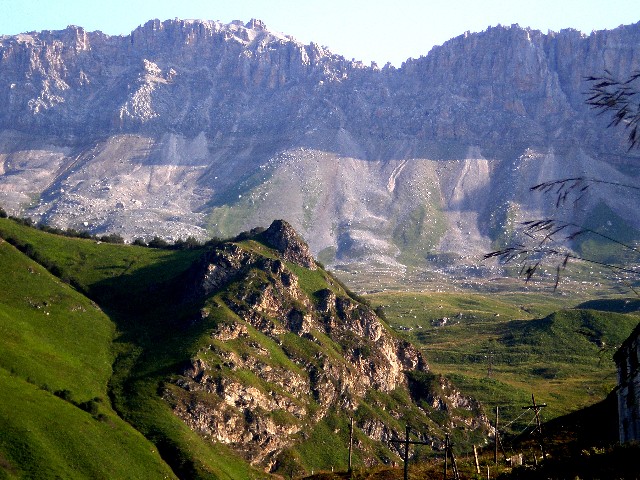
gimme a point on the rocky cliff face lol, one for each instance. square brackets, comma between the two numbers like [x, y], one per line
[196, 127]
[290, 349]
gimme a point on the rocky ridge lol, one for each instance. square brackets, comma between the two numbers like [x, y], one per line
[197, 127]
[291, 349]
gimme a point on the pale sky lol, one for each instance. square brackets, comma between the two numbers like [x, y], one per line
[367, 30]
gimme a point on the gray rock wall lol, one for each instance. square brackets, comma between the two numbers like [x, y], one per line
[191, 128]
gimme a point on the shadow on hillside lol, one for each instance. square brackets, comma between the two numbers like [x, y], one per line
[584, 444]
[621, 305]
[151, 290]
[158, 323]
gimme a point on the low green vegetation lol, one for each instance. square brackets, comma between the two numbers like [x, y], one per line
[419, 232]
[608, 226]
[118, 372]
[49, 332]
[45, 436]
[501, 349]
[56, 417]
[71, 351]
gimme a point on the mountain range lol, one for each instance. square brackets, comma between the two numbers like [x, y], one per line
[199, 128]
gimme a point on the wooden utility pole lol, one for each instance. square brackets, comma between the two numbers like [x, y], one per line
[475, 456]
[350, 443]
[446, 455]
[454, 464]
[536, 408]
[406, 443]
[448, 451]
[495, 451]
[406, 453]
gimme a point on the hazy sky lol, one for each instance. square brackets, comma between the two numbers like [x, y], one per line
[362, 29]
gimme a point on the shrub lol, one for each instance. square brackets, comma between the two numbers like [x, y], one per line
[157, 242]
[188, 244]
[23, 221]
[112, 238]
[49, 229]
[63, 394]
[90, 406]
[380, 312]
[139, 242]
[213, 242]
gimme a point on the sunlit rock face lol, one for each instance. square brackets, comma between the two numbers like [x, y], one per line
[197, 128]
[280, 360]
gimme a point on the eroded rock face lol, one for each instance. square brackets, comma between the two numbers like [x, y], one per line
[183, 126]
[282, 358]
[222, 265]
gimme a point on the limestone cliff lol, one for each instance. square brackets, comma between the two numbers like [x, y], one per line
[197, 127]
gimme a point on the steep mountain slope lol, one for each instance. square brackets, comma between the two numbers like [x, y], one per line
[234, 359]
[55, 415]
[188, 127]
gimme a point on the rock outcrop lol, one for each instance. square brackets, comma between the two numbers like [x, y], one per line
[283, 356]
[281, 236]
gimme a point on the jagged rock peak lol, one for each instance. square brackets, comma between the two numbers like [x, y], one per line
[240, 31]
[282, 236]
[256, 24]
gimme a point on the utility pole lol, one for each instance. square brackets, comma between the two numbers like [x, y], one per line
[475, 456]
[446, 455]
[350, 443]
[448, 450]
[454, 464]
[536, 408]
[495, 452]
[406, 453]
[406, 443]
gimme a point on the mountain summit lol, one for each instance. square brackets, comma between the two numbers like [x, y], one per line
[190, 127]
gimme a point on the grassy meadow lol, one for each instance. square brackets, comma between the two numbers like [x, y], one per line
[103, 366]
[503, 348]
[56, 417]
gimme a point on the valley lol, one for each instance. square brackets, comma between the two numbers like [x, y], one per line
[173, 357]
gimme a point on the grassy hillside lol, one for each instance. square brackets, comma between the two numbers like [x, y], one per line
[87, 353]
[321, 427]
[501, 349]
[70, 351]
[55, 366]
[152, 332]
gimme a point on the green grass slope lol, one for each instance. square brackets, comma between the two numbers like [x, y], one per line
[55, 416]
[147, 339]
[149, 334]
[50, 333]
[503, 348]
[322, 441]
[88, 352]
